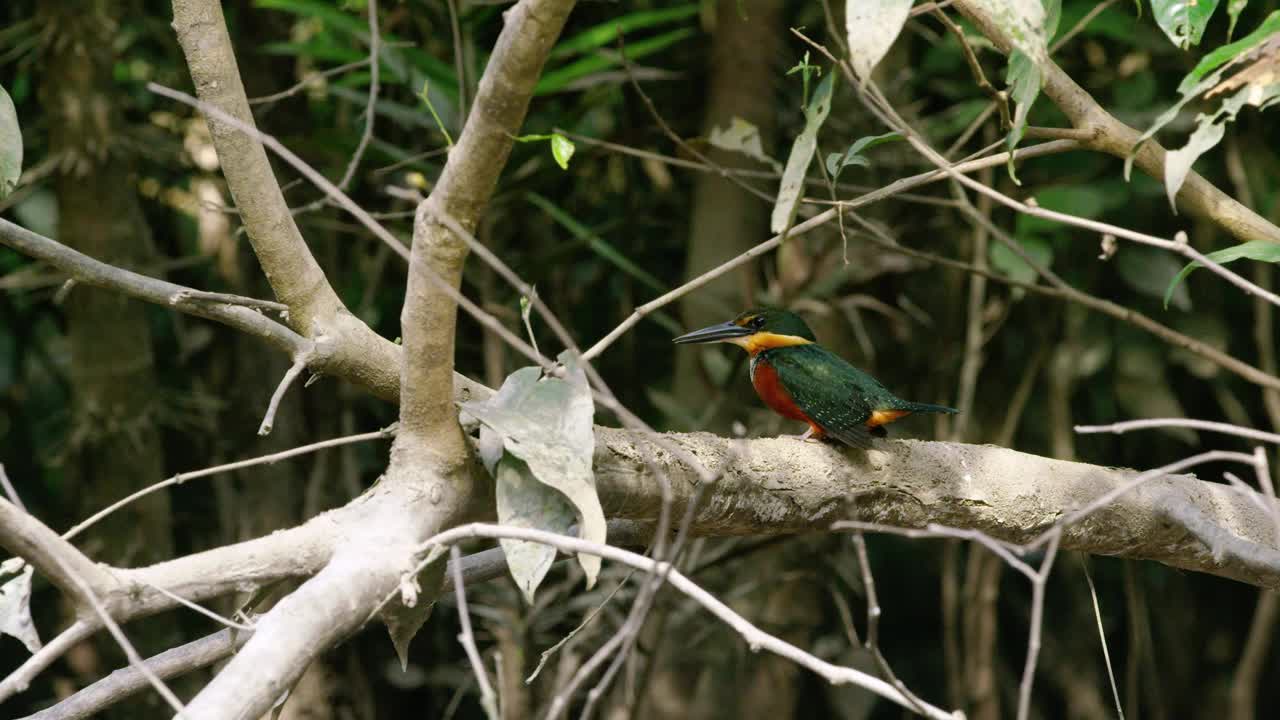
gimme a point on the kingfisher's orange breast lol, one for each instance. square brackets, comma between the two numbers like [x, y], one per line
[765, 380]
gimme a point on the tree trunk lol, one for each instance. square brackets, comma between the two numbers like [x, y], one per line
[727, 220]
[114, 445]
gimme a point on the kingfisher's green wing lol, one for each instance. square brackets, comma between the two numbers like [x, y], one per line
[833, 393]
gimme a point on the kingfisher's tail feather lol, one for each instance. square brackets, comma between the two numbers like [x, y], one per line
[916, 407]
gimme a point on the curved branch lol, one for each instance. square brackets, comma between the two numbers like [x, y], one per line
[1107, 134]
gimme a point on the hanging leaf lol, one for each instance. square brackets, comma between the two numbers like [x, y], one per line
[1234, 8]
[802, 150]
[406, 615]
[561, 149]
[526, 503]
[1256, 58]
[836, 162]
[872, 26]
[1024, 79]
[1183, 21]
[1023, 21]
[546, 424]
[742, 137]
[15, 604]
[1260, 250]
[10, 145]
[1177, 163]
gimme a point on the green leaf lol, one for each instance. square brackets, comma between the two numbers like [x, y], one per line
[1216, 59]
[1183, 20]
[10, 145]
[596, 243]
[15, 604]
[557, 79]
[547, 425]
[871, 27]
[607, 32]
[1149, 271]
[1023, 78]
[1081, 200]
[742, 137]
[1024, 81]
[836, 162]
[1234, 8]
[1023, 21]
[1206, 74]
[1010, 264]
[1177, 163]
[561, 149]
[1260, 250]
[802, 150]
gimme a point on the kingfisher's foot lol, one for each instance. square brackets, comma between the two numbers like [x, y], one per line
[807, 436]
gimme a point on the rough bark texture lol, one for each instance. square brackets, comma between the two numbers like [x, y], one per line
[114, 442]
[789, 486]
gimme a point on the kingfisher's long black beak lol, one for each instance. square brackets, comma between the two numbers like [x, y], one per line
[715, 333]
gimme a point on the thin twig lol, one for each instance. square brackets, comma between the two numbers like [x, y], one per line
[1037, 622]
[1102, 636]
[1149, 423]
[10, 491]
[238, 465]
[268, 420]
[872, 643]
[468, 639]
[184, 296]
[309, 80]
[818, 220]
[755, 638]
[130, 652]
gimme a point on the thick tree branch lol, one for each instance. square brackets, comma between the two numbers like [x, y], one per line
[463, 191]
[1107, 134]
[286, 260]
[783, 485]
[347, 347]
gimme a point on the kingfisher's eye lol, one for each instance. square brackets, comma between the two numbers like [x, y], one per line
[757, 322]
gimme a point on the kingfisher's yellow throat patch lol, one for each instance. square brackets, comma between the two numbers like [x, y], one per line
[757, 342]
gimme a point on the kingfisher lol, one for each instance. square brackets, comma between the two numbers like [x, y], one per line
[801, 380]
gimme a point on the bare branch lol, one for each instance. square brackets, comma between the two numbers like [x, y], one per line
[1149, 423]
[292, 270]
[755, 638]
[299, 364]
[822, 218]
[468, 638]
[89, 271]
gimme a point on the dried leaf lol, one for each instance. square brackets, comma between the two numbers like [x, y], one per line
[10, 145]
[872, 26]
[547, 424]
[802, 150]
[15, 605]
[742, 137]
[526, 503]
[405, 615]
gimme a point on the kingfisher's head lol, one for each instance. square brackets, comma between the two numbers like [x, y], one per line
[755, 330]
